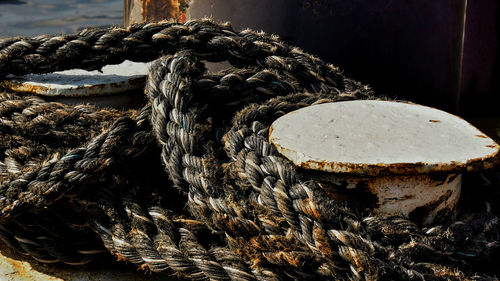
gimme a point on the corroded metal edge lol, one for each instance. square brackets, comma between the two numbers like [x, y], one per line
[381, 169]
[139, 11]
[133, 83]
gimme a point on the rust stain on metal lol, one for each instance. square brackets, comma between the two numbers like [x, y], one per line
[77, 91]
[144, 267]
[164, 10]
[434, 121]
[18, 267]
[22, 87]
[482, 136]
[381, 169]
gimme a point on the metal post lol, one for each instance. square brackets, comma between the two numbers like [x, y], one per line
[460, 48]
[137, 11]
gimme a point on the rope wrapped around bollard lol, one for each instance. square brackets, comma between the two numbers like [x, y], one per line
[190, 185]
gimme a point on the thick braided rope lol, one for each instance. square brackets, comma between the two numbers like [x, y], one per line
[265, 220]
[175, 88]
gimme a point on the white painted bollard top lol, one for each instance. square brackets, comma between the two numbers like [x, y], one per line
[112, 79]
[369, 137]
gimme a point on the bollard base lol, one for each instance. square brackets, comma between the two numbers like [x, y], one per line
[421, 198]
[387, 157]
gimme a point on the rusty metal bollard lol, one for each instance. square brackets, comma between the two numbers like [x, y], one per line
[386, 157]
[137, 11]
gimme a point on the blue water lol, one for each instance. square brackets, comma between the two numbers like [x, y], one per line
[35, 17]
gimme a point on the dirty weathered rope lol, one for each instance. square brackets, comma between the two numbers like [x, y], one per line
[190, 185]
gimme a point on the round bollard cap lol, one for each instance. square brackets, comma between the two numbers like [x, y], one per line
[370, 138]
[112, 79]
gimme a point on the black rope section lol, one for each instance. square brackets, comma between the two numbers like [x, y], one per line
[190, 185]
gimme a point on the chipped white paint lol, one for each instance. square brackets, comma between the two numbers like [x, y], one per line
[113, 79]
[403, 194]
[400, 195]
[391, 150]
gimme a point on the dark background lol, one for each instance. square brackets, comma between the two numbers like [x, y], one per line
[406, 49]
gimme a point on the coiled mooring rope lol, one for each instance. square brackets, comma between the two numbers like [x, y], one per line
[190, 185]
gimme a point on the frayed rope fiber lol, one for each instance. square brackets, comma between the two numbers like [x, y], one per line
[189, 185]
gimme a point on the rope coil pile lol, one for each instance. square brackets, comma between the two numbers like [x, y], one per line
[189, 185]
